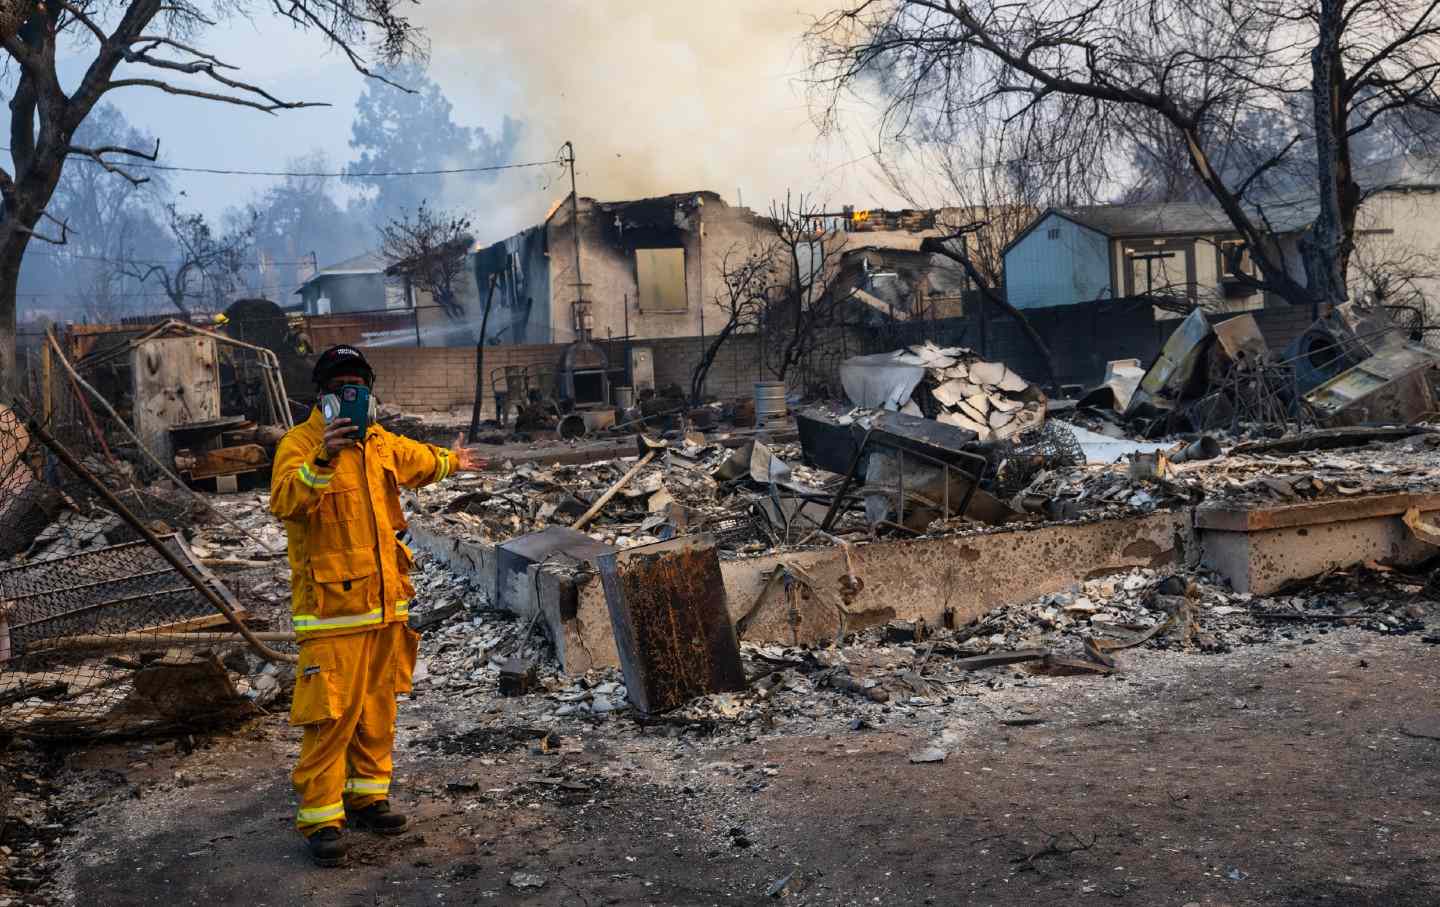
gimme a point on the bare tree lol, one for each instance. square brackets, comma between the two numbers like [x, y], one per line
[747, 280]
[984, 203]
[1387, 274]
[207, 265]
[1072, 83]
[429, 248]
[810, 294]
[158, 41]
[99, 293]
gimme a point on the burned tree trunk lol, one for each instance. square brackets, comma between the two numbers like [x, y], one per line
[939, 245]
[707, 359]
[12, 248]
[1325, 247]
[480, 365]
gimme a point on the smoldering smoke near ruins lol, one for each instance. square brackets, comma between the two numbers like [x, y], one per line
[997, 441]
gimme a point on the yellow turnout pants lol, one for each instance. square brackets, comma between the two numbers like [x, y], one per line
[345, 689]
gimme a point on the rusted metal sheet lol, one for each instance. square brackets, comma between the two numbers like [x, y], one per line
[672, 628]
[1240, 337]
[1255, 519]
[1379, 385]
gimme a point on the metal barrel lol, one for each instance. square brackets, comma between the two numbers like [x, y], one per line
[624, 396]
[769, 402]
[1205, 448]
[573, 426]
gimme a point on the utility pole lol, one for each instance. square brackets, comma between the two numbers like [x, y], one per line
[579, 307]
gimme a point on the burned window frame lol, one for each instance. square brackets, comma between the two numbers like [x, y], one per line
[684, 294]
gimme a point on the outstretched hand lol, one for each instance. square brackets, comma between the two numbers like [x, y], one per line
[465, 458]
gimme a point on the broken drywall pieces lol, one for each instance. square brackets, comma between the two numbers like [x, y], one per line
[951, 385]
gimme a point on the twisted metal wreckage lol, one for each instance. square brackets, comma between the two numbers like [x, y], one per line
[946, 486]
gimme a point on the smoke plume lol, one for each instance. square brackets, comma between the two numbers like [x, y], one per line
[657, 97]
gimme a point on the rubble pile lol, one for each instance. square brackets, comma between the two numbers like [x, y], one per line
[952, 385]
[901, 670]
[1097, 491]
[686, 491]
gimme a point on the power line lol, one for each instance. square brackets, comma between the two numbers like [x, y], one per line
[148, 261]
[144, 165]
[152, 294]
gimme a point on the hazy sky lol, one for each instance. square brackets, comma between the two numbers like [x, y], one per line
[657, 96]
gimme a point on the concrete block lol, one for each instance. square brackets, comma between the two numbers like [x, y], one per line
[1261, 549]
[572, 603]
[472, 560]
[968, 575]
[514, 583]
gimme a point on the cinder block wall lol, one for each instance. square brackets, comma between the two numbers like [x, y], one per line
[1081, 338]
[736, 368]
[442, 378]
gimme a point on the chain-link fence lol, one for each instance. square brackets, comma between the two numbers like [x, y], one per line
[116, 577]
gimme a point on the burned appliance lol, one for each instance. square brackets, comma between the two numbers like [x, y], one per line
[584, 374]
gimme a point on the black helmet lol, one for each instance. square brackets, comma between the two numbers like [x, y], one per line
[340, 359]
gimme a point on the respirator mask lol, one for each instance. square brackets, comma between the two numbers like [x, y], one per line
[353, 402]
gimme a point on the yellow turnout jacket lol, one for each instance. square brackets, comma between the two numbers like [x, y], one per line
[349, 572]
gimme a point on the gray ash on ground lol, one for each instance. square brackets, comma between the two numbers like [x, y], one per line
[872, 680]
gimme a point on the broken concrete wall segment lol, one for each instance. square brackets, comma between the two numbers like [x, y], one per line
[1261, 550]
[904, 580]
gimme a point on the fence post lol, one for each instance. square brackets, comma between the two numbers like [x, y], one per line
[46, 395]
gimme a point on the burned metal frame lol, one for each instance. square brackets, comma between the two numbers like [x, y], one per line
[903, 447]
[272, 378]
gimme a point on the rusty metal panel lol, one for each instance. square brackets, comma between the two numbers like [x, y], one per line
[672, 628]
[1386, 369]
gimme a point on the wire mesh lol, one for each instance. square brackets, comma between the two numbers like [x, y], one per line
[1051, 446]
[99, 633]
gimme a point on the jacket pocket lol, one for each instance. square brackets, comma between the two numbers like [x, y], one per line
[404, 566]
[341, 502]
[405, 663]
[344, 587]
[317, 696]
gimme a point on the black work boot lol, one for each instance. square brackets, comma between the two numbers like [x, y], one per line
[326, 848]
[378, 818]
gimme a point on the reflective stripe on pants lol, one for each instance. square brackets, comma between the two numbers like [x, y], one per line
[347, 759]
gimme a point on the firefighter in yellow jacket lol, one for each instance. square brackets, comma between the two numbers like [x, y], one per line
[339, 497]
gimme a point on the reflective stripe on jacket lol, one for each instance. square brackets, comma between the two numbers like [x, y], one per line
[348, 572]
